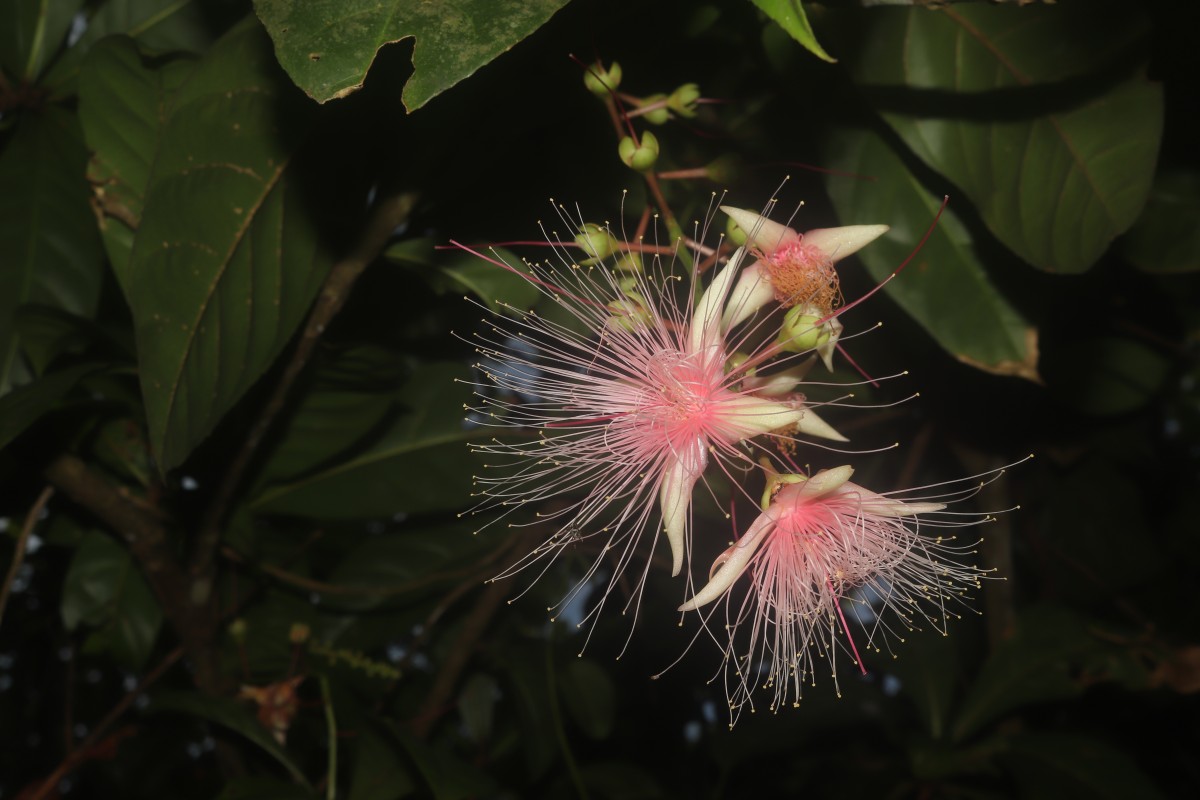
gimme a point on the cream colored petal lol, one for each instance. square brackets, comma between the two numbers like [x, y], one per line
[837, 243]
[706, 329]
[779, 383]
[811, 425]
[746, 416]
[675, 498]
[752, 292]
[822, 483]
[732, 563]
[761, 232]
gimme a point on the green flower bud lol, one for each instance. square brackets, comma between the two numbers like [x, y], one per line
[735, 361]
[724, 170]
[659, 115]
[640, 157]
[683, 100]
[596, 241]
[629, 312]
[800, 332]
[299, 633]
[600, 81]
[237, 630]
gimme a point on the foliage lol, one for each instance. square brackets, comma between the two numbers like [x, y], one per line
[234, 341]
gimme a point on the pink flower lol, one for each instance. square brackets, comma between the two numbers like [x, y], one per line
[633, 391]
[796, 270]
[821, 544]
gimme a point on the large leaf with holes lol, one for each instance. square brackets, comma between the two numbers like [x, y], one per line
[226, 260]
[123, 104]
[49, 251]
[327, 46]
[945, 287]
[1015, 106]
[420, 463]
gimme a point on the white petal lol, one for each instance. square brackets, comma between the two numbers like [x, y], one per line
[837, 243]
[752, 292]
[824, 482]
[675, 497]
[733, 562]
[812, 425]
[746, 416]
[706, 329]
[761, 232]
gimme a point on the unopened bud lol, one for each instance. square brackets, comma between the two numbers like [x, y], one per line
[639, 156]
[299, 633]
[800, 331]
[659, 113]
[600, 81]
[683, 100]
[238, 629]
[596, 241]
[629, 312]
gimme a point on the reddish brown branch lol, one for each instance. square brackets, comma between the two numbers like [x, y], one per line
[31, 518]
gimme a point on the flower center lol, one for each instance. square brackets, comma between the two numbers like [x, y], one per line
[802, 273]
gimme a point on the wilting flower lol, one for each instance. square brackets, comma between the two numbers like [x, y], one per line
[632, 393]
[826, 555]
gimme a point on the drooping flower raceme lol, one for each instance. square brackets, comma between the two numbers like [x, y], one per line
[631, 397]
[828, 561]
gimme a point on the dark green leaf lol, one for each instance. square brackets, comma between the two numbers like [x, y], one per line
[447, 776]
[945, 288]
[477, 706]
[589, 695]
[230, 714]
[1055, 175]
[31, 31]
[1056, 765]
[392, 561]
[262, 788]
[123, 105]
[225, 261]
[51, 253]
[1166, 237]
[928, 673]
[378, 772]
[1106, 375]
[327, 423]
[328, 46]
[1038, 664]
[790, 16]
[104, 590]
[621, 780]
[421, 463]
[159, 26]
[495, 286]
[24, 406]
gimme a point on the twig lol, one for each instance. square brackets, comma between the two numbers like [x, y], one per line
[388, 214]
[31, 518]
[81, 752]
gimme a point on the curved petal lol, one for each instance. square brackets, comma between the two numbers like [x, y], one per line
[675, 498]
[732, 563]
[837, 243]
[761, 232]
